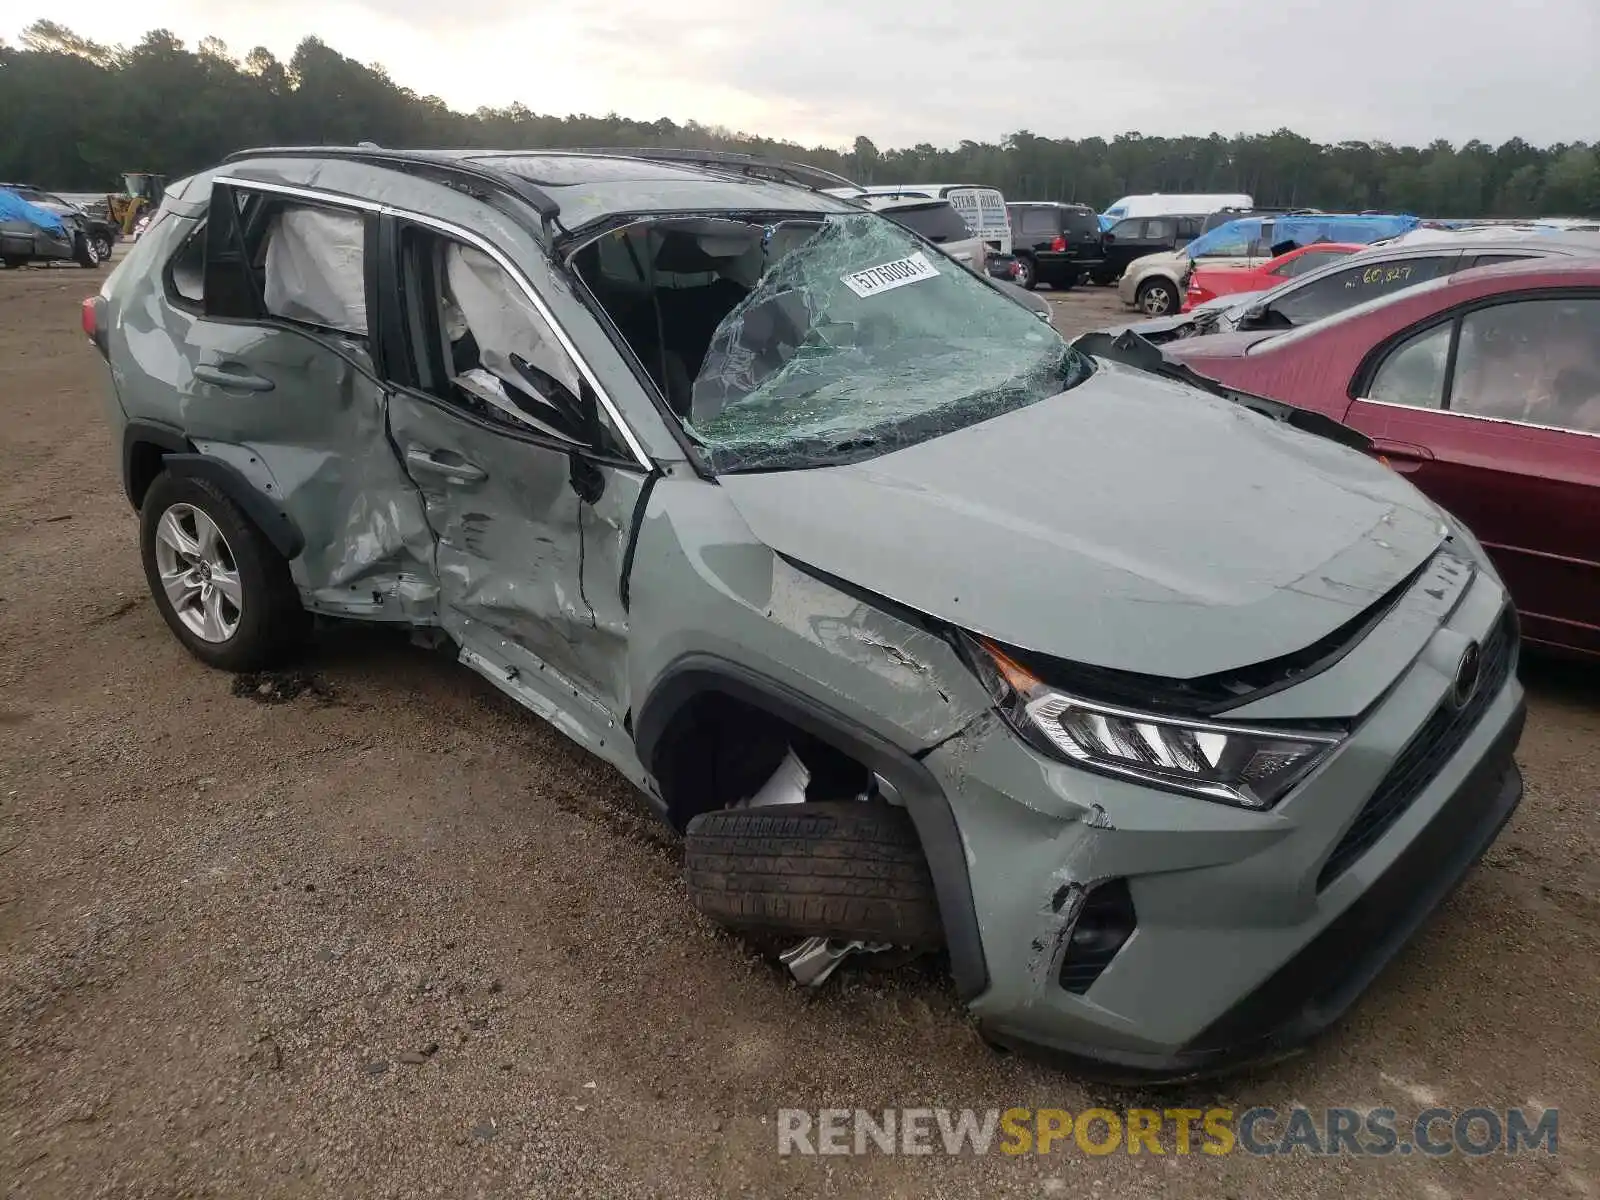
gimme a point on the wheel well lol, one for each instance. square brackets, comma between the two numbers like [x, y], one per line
[717, 750]
[144, 464]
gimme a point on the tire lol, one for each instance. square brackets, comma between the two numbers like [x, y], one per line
[1068, 281]
[268, 622]
[102, 245]
[1103, 278]
[851, 869]
[15, 262]
[1027, 273]
[1157, 297]
[84, 253]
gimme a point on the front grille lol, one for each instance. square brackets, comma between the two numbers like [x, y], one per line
[1425, 754]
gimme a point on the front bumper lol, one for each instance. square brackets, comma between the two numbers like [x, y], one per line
[1254, 931]
[1315, 988]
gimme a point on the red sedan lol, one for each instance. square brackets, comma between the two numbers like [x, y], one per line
[1209, 282]
[1483, 387]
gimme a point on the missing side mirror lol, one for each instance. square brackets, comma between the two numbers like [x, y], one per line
[586, 479]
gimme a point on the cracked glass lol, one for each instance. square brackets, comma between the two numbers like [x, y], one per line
[859, 339]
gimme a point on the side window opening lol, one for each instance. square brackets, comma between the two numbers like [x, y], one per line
[480, 345]
[313, 268]
[1532, 361]
[1413, 373]
[295, 262]
[186, 270]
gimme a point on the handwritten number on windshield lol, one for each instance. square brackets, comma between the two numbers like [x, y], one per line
[1374, 276]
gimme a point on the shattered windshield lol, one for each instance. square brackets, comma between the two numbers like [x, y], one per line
[857, 339]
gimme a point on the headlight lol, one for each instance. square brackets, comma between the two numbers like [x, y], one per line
[1250, 766]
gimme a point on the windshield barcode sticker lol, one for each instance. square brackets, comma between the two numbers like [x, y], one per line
[890, 275]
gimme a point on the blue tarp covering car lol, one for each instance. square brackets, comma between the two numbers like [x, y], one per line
[14, 208]
[1299, 230]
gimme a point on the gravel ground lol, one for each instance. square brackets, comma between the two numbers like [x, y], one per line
[371, 930]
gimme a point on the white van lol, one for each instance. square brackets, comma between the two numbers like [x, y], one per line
[1193, 204]
[982, 208]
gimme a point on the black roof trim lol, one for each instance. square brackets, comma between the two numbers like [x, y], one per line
[448, 162]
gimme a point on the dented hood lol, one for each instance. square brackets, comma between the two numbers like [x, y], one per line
[1130, 522]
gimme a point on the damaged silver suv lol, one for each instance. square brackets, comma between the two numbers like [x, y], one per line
[1165, 711]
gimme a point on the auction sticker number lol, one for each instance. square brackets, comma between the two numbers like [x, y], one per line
[1373, 276]
[887, 276]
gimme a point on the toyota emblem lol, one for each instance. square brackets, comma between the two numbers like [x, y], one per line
[1467, 671]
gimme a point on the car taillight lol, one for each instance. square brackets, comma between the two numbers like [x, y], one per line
[90, 314]
[1059, 244]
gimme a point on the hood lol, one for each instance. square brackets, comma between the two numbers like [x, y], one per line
[1216, 345]
[1130, 522]
[1174, 260]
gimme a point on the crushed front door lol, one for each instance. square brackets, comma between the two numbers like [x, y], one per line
[531, 507]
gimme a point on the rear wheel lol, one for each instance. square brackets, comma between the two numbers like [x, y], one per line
[1068, 281]
[14, 262]
[1024, 274]
[1103, 278]
[1157, 297]
[221, 586]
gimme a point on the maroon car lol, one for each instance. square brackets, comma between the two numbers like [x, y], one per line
[1484, 388]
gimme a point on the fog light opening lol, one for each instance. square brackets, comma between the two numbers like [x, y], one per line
[1104, 925]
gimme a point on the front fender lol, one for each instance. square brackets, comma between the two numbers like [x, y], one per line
[694, 675]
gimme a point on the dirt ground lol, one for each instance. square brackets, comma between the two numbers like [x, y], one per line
[374, 931]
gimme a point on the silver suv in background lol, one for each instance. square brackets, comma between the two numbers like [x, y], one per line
[1164, 711]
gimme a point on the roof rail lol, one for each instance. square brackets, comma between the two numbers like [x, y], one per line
[754, 165]
[543, 203]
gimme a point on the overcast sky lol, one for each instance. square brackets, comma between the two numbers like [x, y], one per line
[908, 71]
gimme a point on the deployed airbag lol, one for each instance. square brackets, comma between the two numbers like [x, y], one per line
[316, 269]
[503, 321]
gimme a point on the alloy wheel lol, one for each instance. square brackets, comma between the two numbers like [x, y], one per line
[1157, 300]
[199, 573]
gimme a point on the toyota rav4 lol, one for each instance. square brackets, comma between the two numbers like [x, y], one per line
[1165, 711]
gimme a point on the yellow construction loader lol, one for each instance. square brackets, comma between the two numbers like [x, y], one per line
[141, 193]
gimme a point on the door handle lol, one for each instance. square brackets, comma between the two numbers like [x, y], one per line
[233, 375]
[431, 463]
[1402, 456]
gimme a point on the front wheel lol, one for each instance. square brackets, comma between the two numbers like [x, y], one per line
[221, 586]
[851, 870]
[1157, 297]
[102, 245]
[84, 252]
[1024, 274]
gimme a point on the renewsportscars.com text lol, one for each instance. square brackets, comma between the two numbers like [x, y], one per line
[1369, 1132]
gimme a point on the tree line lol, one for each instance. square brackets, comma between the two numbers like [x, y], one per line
[76, 114]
